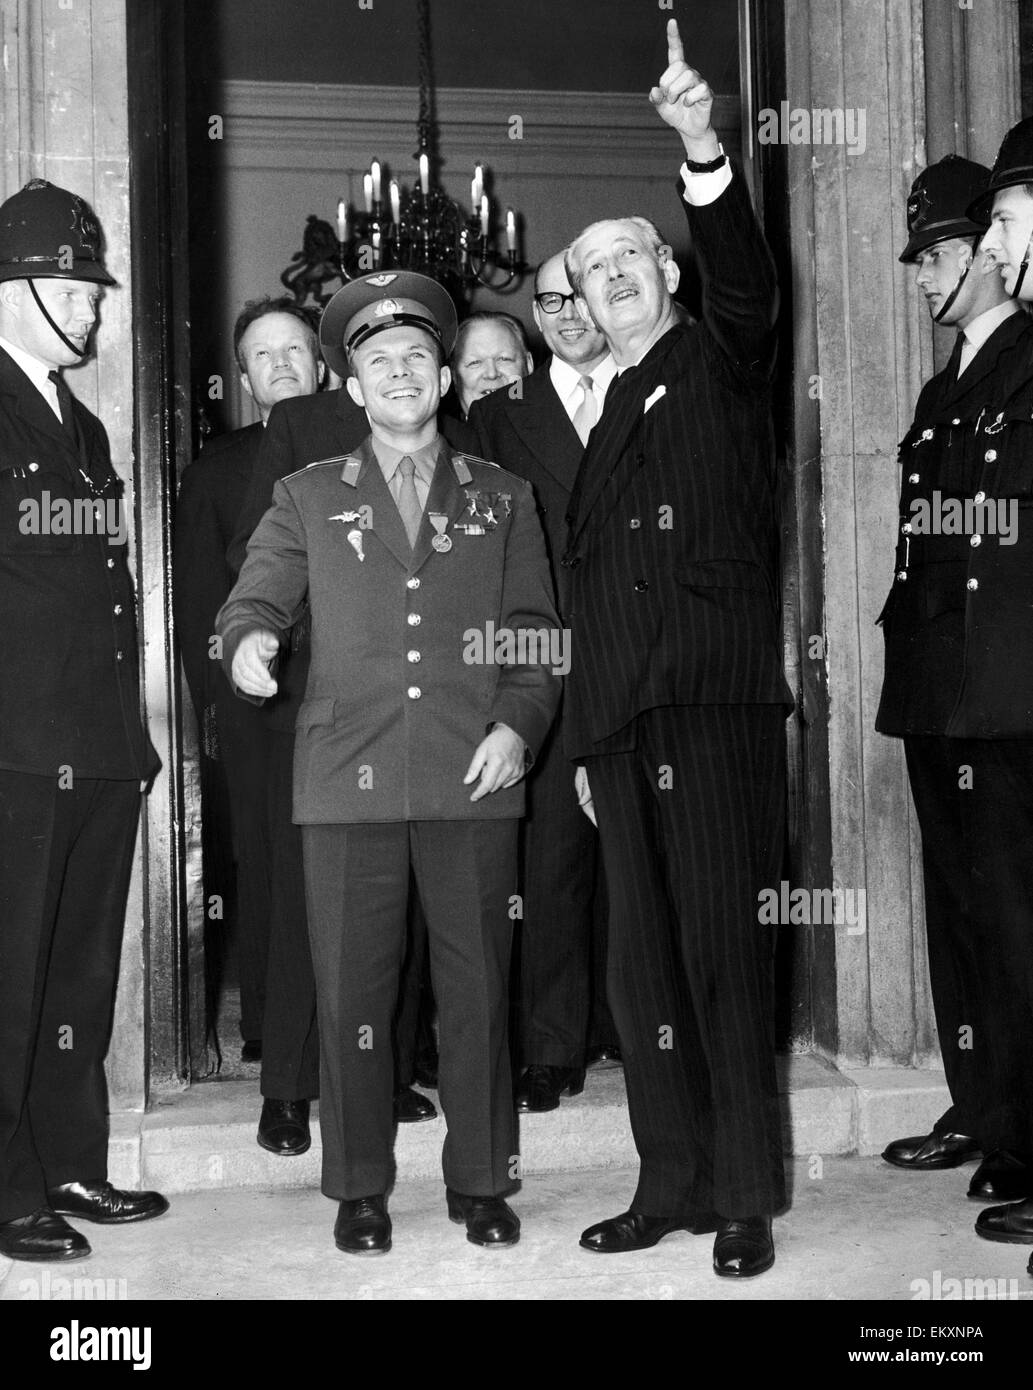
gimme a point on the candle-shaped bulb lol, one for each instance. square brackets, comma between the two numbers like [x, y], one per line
[367, 191]
[342, 220]
[424, 175]
[478, 183]
[396, 212]
[374, 170]
[475, 201]
[376, 246]
[484, 214]
[510, 230]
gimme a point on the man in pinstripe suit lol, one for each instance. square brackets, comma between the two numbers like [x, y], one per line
[676, 698]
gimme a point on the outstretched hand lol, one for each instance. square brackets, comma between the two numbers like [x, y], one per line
[681, 96]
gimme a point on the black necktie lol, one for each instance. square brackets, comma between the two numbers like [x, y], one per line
[68, 420]
[954, 361]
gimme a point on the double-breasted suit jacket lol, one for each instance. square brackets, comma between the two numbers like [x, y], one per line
[958, 622]
[403, 683]
[673, 528]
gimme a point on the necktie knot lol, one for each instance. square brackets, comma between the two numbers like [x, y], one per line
[587, 412]
[407, 468]
[587, 385]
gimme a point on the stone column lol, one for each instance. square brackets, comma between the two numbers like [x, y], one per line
[868, 346]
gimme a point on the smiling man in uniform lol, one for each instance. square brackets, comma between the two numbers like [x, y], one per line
[408, 760]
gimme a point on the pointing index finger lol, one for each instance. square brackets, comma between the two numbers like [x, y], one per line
[675, 51]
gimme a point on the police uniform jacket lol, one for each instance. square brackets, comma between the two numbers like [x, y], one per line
[398, 694]
[69, 680]
[958, 622]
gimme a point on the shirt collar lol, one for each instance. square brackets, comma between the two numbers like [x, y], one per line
[566, 379]
[988, 322]
[389, 458]
[38, 372]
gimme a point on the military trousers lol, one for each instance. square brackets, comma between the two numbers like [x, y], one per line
[357, 888]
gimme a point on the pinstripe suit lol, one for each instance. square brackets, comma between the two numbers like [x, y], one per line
[675, 703]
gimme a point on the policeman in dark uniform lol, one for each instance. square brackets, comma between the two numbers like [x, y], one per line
[958, 688]
[410, 745]
[73, 750]
[1005, 631]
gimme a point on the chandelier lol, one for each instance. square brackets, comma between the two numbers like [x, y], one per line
[422, 230]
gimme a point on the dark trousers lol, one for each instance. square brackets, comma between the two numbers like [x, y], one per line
[562, 934]
[277, 991]
[357, 882]
[691, 823]
[974, 799]
[243, 748]
[65, 861]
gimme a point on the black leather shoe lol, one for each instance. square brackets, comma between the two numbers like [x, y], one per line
[283, 1127]
[489, 1220]
[925, 1153]
[743, 1247]
[43, 1235]
[411, 1107]
[540, 1087]
[1013, 1225]
[425, 1070]
[363, 1227]
[603, 1056]
[1001, 1177]
[633, 1231]
[100, 1202]
[251, 1051]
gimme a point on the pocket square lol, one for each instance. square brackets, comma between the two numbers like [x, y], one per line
[652, 400]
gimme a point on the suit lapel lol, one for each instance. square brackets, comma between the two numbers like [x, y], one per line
[363, 475]
[540, 420]
[31, 406]
[985, 360]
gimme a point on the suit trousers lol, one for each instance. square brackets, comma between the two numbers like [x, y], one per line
[290, 1034]
[357, 884]
[66, 856]
[974, 800]
[243, 746]
[691, 822]
[561, 904]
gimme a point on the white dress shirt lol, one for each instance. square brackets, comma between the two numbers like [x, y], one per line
[566, 382]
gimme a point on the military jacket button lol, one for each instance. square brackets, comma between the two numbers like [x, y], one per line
[414, 692]
[972, 584]
[913, 478]
[976, 540]
[979, 497]
[111, 563]
[118, 610]
[906, 528]
[118, 656]
[33, 467]
[412, 656]
[634, 523]
[901, 574]
[413, 620]
[990, 456]
[955, 422]
[641, 585]
[413, 583]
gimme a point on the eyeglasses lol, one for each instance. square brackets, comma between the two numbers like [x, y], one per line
[551, 302]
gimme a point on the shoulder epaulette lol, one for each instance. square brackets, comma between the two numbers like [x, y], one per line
[317, 463]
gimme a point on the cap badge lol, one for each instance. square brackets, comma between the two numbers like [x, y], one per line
[385, 307]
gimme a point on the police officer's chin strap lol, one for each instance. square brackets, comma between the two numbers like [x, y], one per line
[945, 306]
[1023, 268]
[79, 352]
